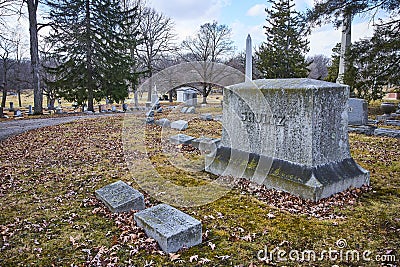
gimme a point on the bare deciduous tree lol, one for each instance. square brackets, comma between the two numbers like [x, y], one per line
[210, 44]
[7, 48]
[34, 51]
[158, 37]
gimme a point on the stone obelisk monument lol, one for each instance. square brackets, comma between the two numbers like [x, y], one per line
[249, 60]
[346, 42]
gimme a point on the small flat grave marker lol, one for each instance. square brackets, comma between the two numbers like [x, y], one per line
[171, 228]
[163, 122]
[120, 197]
[181, 139]
[206, 117]
[180, 125]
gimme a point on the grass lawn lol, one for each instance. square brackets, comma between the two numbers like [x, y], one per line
[50, 217]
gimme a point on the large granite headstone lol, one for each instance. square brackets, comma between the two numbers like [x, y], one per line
[120, 197]
[171, 228]
[288, 134]
[358, 111]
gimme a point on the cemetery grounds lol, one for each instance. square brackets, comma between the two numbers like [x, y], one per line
[50, 217]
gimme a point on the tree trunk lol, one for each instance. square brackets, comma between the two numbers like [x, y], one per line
[33, 31]
[89, 59]
[19, 98]
[4, 99]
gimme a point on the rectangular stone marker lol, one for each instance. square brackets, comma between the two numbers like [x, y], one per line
[181, 139]
[163, 122]
[191, 110]
[288, 134]
[206, 144]
[358, 111]
[180, 125]
[120, 197]
[184, 109]
[171, 228]
[387, 132]
[206, 117]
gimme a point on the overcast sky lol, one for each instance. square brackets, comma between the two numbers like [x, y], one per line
[247, 17]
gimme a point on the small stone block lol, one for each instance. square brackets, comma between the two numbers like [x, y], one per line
[184, 109]
[163, 122]
[181, 139]
[120, 197]
[387, 133]
[206, 117]
[206, 143]
[180, 125]
[171, 228]
[191, 110]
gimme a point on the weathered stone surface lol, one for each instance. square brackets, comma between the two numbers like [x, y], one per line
[184, 109]
[191, 110]
[358, 111]
[393, 122]
[289, 134]
[206, 117]
[363, 129]
[180, 125]
[171, 228]
[181, 139]
[206, 144]
[387, 132]
[120, 197]
[163, 122]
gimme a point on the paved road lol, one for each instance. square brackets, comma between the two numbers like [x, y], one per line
[10, 128]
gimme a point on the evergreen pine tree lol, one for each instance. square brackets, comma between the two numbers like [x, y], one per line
[91, 46]
[283, 53]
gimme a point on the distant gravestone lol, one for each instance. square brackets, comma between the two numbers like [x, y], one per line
[113, 108]
[181, 139]
[184, 109]
[171, 228]
[206, 144]
[18, 113]
[11, 106]
[206, 117]
[358, 111]
[120, 197]
[180, 125]
[30, 111]
[387, 132]
[163, 122]
[288, 134]
[191, 110]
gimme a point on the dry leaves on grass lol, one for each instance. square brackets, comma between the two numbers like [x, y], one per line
[323, 209]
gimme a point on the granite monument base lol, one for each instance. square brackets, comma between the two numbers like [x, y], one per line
[313, 183]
